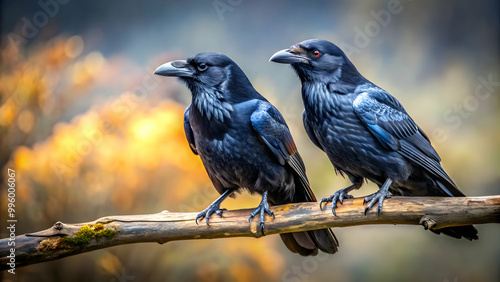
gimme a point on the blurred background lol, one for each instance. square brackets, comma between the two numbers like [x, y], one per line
[91, 132]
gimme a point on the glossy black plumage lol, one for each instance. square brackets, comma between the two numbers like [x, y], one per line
[244, 143]
[366, 132]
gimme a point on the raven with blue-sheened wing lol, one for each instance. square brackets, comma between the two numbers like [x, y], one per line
[366, 132]
[244, 143]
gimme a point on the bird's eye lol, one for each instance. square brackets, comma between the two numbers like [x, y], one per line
[202, 66]
[316, 53]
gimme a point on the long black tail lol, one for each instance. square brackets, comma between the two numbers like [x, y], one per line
[307, 243]
[432, 180]
[422, 184]
[468, 232]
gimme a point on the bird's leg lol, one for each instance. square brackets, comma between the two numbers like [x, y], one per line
[342, 194]
[378, 196]
[262, 208]
[214, 207]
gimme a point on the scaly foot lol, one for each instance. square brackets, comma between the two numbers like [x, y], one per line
[214, 207]
[339, 196]
[206, 213]
[263, 208]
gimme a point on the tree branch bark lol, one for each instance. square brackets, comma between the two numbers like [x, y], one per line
[62, 240]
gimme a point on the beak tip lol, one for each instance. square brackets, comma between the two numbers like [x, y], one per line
[163, 69]
[175, 68]
[158, 70]
[275, 57]
[286, 57]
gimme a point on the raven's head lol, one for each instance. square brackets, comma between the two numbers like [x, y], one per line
[317, 60]
[214, 79]
[205, 70]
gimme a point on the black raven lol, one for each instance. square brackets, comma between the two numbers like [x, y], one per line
[244, 142]
[366, 132]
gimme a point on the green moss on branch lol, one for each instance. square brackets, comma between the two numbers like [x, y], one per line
[88, 232]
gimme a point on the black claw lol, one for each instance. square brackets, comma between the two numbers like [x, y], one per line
[263, 208]
[253, 214]
[214, 207]
[334, 206]
[219, 212]
[324, 200]
[271, 213]
[338, 196]
[206, 213]
[372, 199]
[345, 196]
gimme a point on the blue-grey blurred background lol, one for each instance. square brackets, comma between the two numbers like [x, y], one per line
[91, 132]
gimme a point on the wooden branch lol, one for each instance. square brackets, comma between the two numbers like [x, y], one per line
[62, 240]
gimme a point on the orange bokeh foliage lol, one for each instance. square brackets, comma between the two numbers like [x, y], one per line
[127, 154]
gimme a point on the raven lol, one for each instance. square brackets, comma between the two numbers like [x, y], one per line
[365, 132]
[244, 142]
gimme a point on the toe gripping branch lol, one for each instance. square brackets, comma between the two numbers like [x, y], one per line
[378, 196]
[214, 207]
[263, 208]
[338, 196]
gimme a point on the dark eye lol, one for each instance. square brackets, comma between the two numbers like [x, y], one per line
[202, 66]
[316, 53]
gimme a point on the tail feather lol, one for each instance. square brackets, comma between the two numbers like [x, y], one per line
[468, 232]
[307, 243]
[299, 243]
[326, 240]
[441, 188]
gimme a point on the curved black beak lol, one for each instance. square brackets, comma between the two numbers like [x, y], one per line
[289, 56]
[178, 68]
